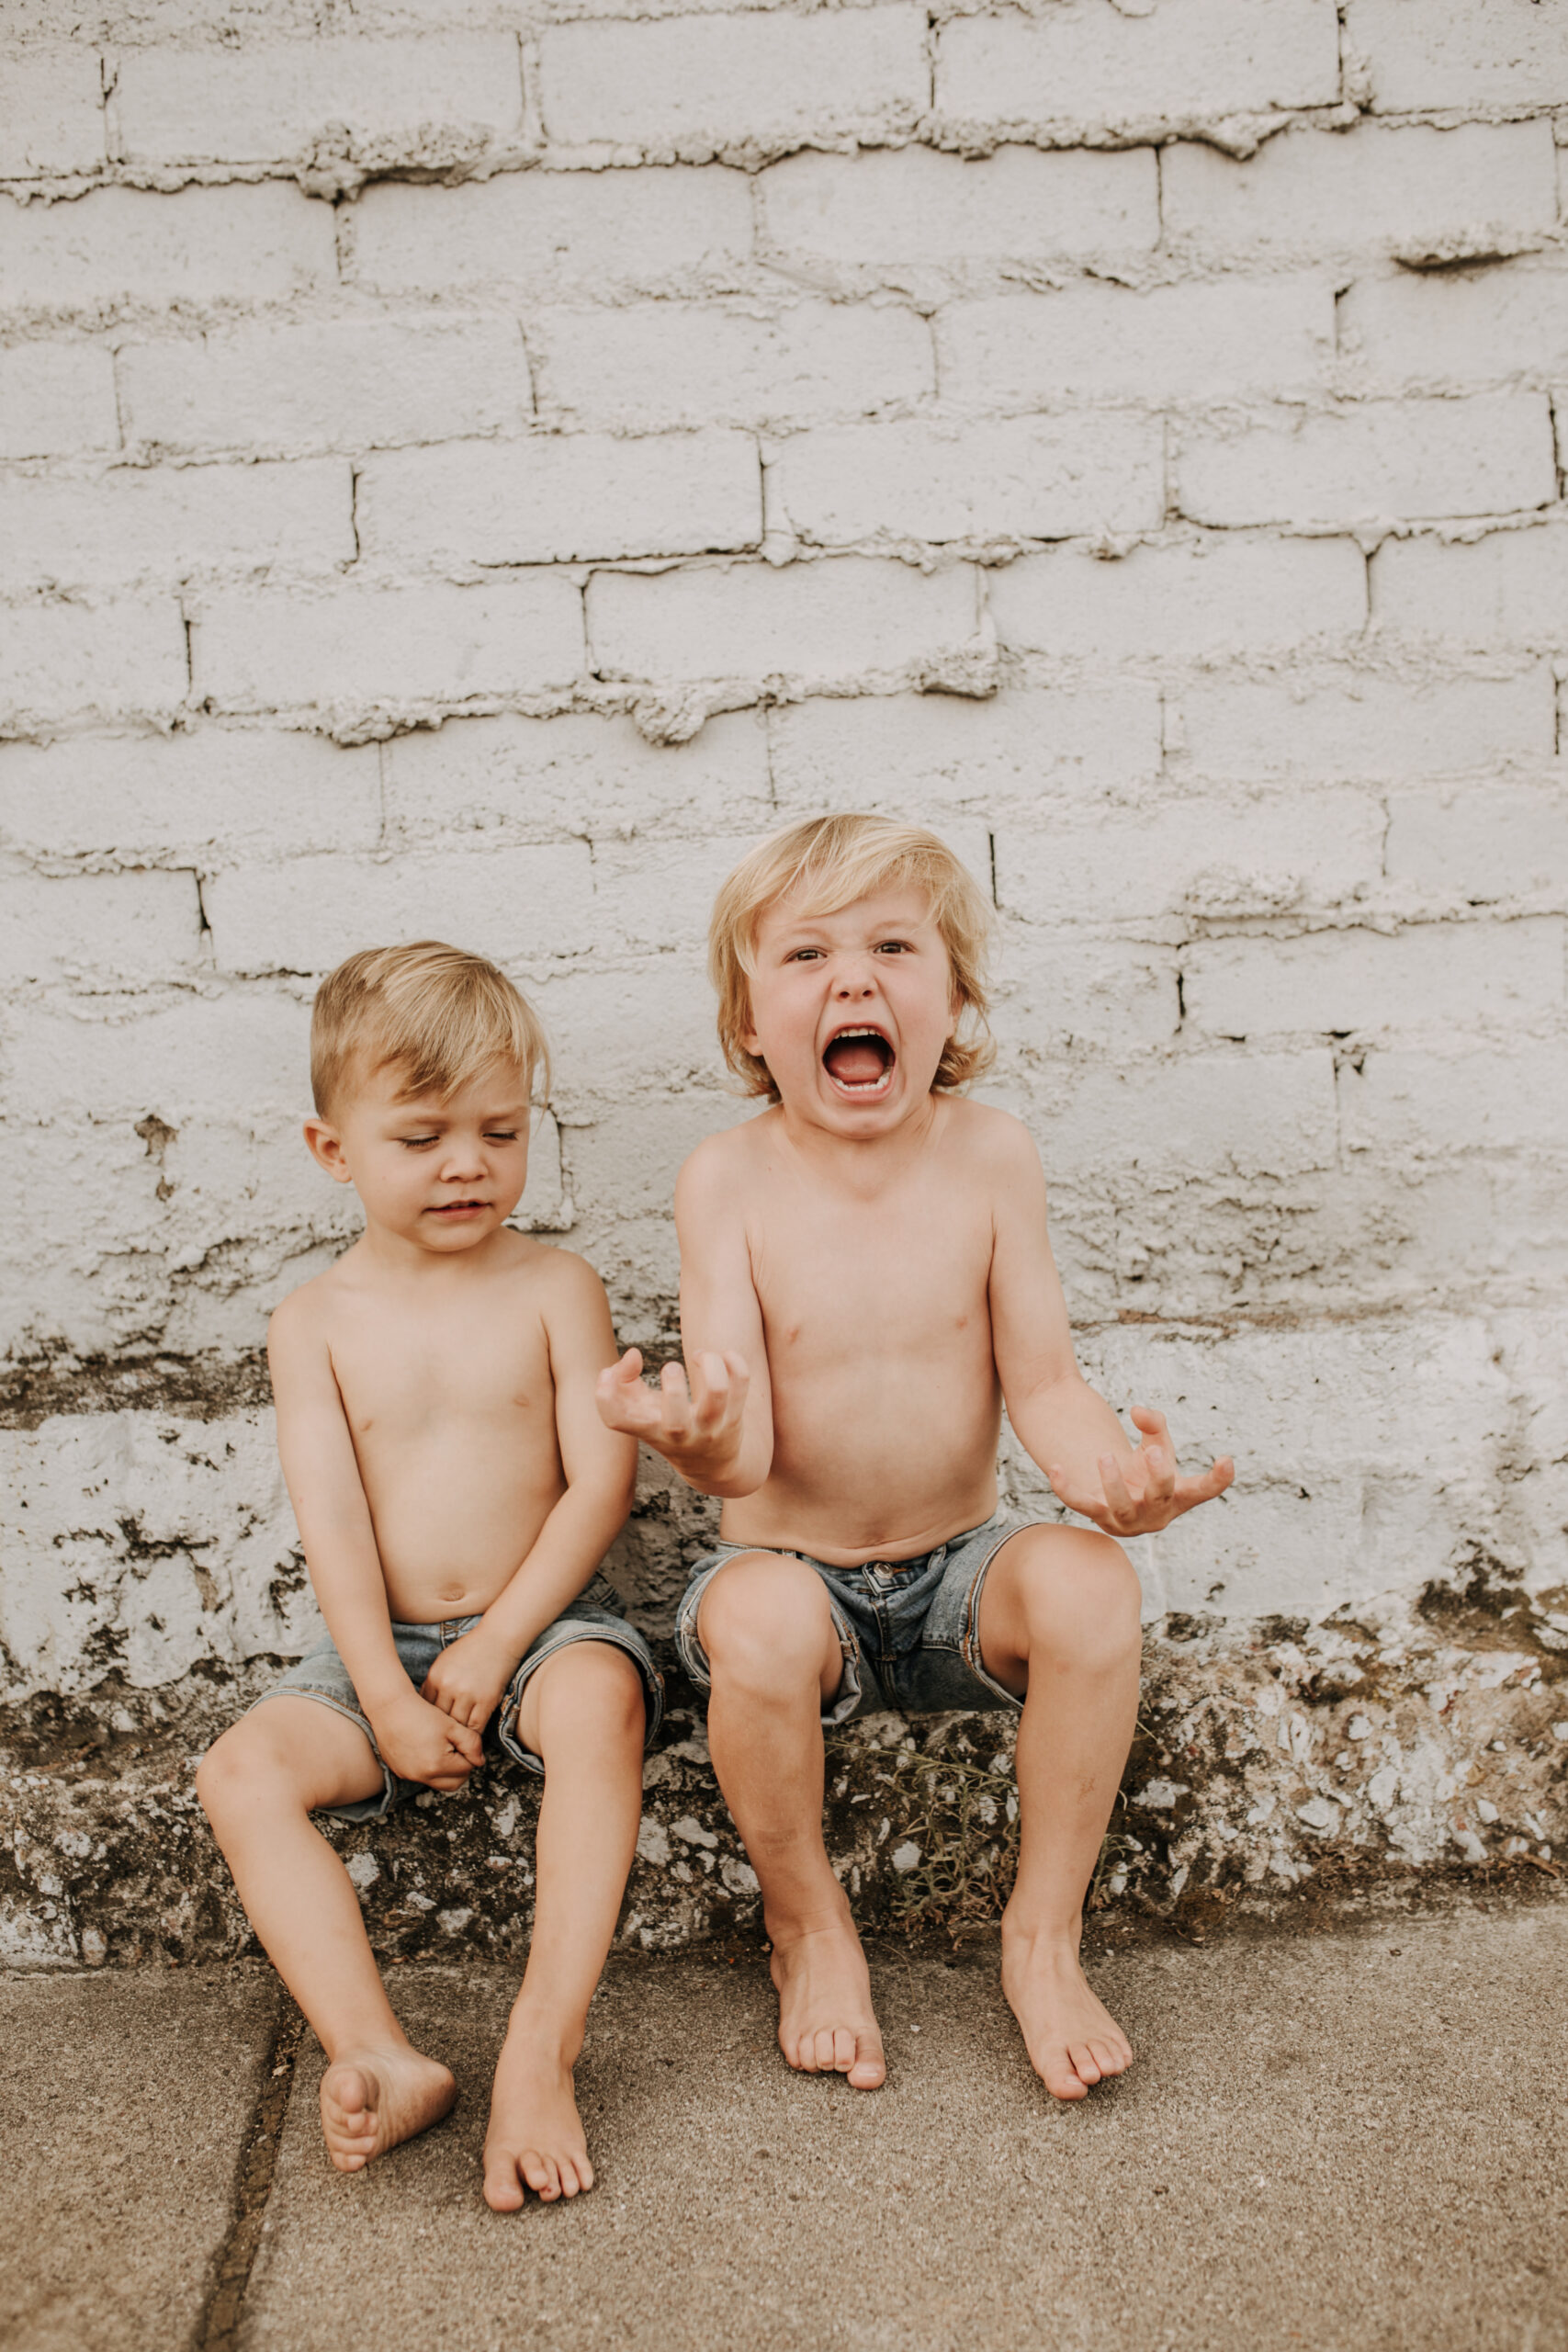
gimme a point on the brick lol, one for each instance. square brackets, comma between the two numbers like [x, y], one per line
[622, 1028]
[1487, 842]
[915, 205]
[1053, 993]
[928, 752]
[1094, 65]
[1460, 326]
[515, 777]
[1509, 588]
[650, 897]
[118, 659]
[1367, 727]
[1178, 340]
[207, 792]
[57, 400]
[559, 498]
[1469, 53]
[1032, 478]
[51, 114]
[345, 384]
[1445, 975]
[1410, 459]
[306, 914]
[677, 362]
[698, 84]
[1317, 190]
[119, 245]
[99, 926]
[543, 228]
[1198, 1115]
[1193, 859]
[830, 620]
[169, 523]
[274, 100]
[1413, 1106]
[1208, 595]
[357, 644]
[243, 1054]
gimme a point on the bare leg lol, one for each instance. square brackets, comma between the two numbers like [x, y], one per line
[259, 1785]
[583, 1713]
[768, 1632]
[1059, 1621]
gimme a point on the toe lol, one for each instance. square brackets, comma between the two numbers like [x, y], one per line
[822, 2046]
[869, 2071]
[1060, 2076]
[1083, 2061]
[534, 2171]
[504, 2191]
[844, 2050]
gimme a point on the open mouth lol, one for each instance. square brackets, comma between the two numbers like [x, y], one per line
[860, 1062]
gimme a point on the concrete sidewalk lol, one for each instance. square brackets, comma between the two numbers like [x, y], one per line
[1355, 2139]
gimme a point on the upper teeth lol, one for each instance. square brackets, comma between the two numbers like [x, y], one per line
[840, 1035]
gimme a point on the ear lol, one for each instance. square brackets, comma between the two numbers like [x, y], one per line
[325, 1146]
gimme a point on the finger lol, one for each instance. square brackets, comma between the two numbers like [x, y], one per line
[1158, 1451]
[1189, 1492]
[675, 1399]
[739, 1381]
[710, 1392]
[1119, 1500]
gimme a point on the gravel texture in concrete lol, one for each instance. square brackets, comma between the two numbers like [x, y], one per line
[131, 2102]
[1337, 2141]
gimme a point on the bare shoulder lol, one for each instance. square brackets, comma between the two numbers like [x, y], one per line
[564, 1279]
[706, 1185]
[991, 1138]
[302, 1320]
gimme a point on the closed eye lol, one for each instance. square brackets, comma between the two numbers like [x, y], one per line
[501, 1134]
[416, 1143]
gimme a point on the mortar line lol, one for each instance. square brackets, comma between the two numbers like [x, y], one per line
[218, 2328]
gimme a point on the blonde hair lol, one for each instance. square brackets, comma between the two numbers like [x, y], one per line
[442, 1014]
[827, 863]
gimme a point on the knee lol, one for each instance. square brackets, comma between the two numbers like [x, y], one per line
[242, 1770]
[765, 1623]
[1084, 1602]
[227, 1773]
[592, 1687]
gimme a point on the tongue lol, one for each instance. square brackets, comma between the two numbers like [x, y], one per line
[857, 1061]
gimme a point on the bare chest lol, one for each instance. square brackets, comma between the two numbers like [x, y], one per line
[850, 1285]
[402, 1381]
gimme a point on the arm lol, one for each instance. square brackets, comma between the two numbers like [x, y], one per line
[718, 1431]
[328, 1496]
[1065, 1426]
[600, 1468]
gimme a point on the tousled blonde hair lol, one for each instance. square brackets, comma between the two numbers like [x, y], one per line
[827, 863]
[443, 1015]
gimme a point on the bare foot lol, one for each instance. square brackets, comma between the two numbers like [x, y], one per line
[1072, 2038]
[826, 2025]
[373, 2099]
[535, 2138]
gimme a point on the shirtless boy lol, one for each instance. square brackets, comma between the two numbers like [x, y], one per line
[456, 1490]
[865, 1280]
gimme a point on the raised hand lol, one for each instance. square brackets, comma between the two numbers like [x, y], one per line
[1143, 1491]
[422, 1742]
[697, 1428]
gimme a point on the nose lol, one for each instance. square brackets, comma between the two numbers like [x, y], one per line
[464, 1162]
[858, 981]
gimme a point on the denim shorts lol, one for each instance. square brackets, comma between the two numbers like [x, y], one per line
[324, 1677]
[909, 1629]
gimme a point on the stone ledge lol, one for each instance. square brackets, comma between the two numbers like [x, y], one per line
[1274, 1764]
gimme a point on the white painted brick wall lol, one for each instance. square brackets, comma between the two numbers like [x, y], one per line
[117, 247]
[464, 471]
[1094, 65]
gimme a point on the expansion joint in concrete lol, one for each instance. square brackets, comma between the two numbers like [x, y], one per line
[219, 2327]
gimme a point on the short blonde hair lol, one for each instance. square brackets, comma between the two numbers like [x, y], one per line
[443, 1015]
[828, 862]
